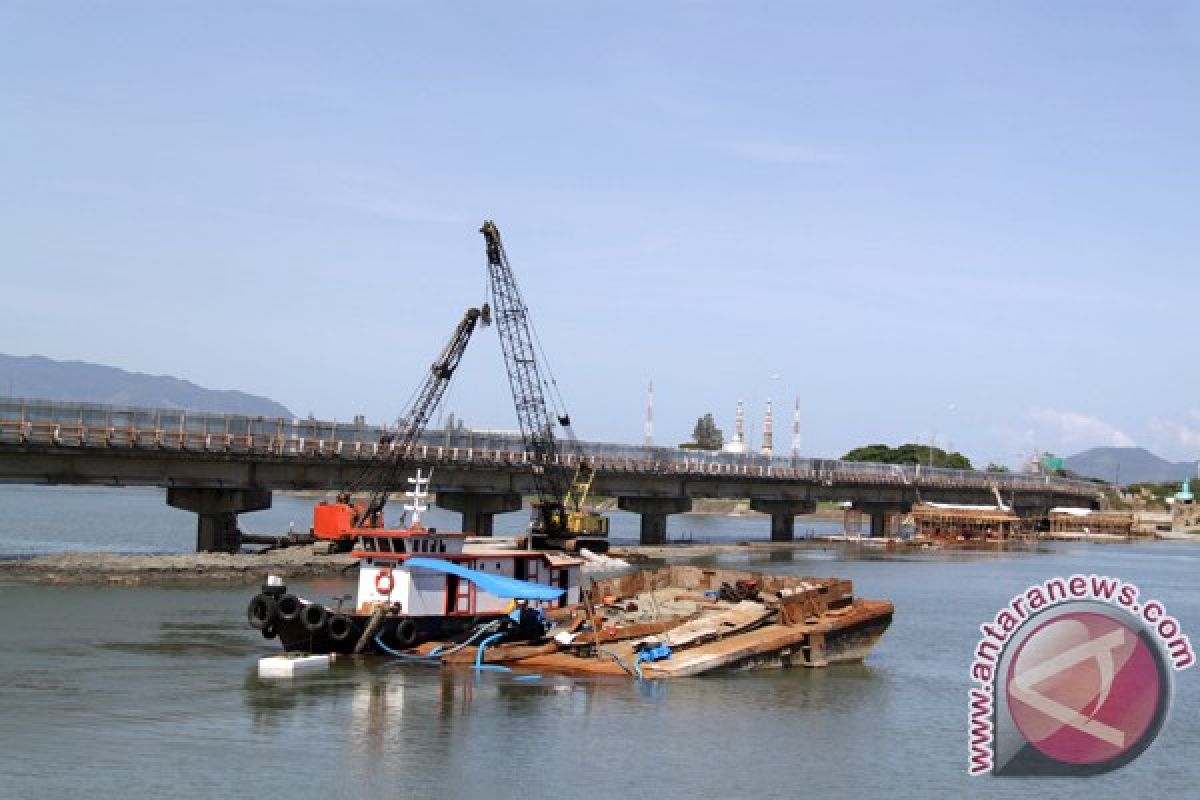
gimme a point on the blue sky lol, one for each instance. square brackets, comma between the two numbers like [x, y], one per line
[972, 222]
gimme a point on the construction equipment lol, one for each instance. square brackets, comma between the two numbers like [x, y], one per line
[341, 521]
[558, 519]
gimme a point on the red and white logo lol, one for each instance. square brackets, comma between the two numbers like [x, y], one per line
[1083, 688]
[1073, 677]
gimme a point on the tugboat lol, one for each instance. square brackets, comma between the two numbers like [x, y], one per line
[415, 585]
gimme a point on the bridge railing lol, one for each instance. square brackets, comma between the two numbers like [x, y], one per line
[91, 425]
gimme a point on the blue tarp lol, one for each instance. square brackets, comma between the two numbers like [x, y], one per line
[497, 585]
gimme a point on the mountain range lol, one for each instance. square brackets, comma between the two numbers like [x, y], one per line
[79, 381]
[1126, 465]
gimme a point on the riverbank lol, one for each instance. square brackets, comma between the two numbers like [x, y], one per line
[185, 568]
[119, 569]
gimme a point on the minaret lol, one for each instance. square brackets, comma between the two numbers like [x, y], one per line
[738, 443]
[796, 429]
[768, 447]
[650, 415]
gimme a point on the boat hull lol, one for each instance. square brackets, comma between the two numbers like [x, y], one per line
[392, 633]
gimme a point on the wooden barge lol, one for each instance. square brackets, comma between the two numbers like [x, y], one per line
[682, 621]
[422, 594]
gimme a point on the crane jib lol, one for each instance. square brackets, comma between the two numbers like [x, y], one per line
[383, 477]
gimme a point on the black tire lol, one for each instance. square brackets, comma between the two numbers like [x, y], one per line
[314, 617]
[262, 611]
[340, 627]
[290, 607]
[406, 633]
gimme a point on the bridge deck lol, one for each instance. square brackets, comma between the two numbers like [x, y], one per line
[47, 428]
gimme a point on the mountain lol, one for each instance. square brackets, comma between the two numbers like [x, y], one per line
[79, 381]
[1135, 464]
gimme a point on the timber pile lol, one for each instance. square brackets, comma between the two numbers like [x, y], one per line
[708, 619]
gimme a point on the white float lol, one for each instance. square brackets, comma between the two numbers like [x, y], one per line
[287, 666]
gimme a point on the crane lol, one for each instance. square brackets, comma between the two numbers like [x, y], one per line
[341, 520]
[558, 519]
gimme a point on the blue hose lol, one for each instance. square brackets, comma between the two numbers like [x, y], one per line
[430, 658]
[434, 655]
[479, 665]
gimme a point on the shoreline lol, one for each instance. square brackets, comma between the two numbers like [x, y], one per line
[198, 569]
[120, 569]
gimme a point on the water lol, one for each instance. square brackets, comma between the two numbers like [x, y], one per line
[36, 520]
[124, 692]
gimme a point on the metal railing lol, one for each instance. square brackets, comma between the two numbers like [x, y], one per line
[89, 425]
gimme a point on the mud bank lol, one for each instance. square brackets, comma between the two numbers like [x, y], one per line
[186, 568]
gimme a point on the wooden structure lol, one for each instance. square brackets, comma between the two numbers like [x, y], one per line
[1084, 521]
[964, 522]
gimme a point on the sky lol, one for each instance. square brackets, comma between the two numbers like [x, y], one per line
[966, 223]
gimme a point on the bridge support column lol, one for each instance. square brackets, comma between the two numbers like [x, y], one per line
[783, 515]
[217, 529]
[479, 510]
[878, 512]
[654, 512]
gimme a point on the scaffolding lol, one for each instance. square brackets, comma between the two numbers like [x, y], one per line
[964, 522]
[1084, 521]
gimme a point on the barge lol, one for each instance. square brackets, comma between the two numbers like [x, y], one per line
[422, 595]
[680, 621]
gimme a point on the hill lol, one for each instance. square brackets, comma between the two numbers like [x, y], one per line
[1132, 464]
[79, 381]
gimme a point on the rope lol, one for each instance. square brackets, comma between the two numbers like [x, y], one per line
[620, 662]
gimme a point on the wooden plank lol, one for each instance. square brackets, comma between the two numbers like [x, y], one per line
[500, 654]
[728, 623]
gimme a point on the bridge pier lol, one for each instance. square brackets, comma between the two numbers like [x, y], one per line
[654, 512]
[878, 514]
[217, 509]
[783, 515]
[479, 510]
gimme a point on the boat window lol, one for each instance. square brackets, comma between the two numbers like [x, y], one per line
[385, 545]
[441, 547]
[399, 543]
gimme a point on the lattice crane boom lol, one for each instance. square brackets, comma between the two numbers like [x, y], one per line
[383, 477]
[524, 374]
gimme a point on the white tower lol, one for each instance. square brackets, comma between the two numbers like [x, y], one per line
[796, 429]
[650, 415]
[738, 443]
[768, 447]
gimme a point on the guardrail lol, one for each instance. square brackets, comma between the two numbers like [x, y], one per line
[56, 424]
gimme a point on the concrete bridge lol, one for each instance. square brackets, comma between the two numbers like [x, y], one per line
[219, 465]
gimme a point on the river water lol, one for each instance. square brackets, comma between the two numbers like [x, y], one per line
[152, 692]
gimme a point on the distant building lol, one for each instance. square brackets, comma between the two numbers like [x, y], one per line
[738, 443]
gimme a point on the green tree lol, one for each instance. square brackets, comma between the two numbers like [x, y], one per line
[706, 435]
[908, 454]
[994, 467]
